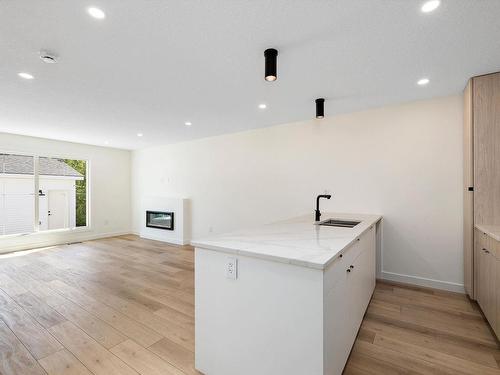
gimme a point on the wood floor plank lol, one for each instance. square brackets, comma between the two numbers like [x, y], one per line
[94, 356]
[405, 361]
[169, 313]
[180, 333]
[139, 333]
[430, 301]
[63, 363]
[36, 338]
[407, 318]
[100, 331]
[143, 360]
[38, 309]
[175, 354]
[37, 288]
[9, 286]
[457, 364]
[374, 366]
[459, 348]
[14, 357]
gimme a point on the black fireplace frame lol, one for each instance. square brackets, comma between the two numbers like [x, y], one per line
[157, 226]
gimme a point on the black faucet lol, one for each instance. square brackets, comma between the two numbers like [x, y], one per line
[318, 213]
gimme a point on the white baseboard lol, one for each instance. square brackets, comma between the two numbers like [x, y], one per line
[422, 281]
[174, 241]
[74, 237]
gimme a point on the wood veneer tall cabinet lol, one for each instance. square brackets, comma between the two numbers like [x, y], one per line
[481, 165]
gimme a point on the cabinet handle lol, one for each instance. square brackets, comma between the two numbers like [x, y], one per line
[340, 256]
[348, 270]
[486, 251]
[351, 266]
[357, 239]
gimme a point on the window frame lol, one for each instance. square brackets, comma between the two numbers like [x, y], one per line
[36, 183]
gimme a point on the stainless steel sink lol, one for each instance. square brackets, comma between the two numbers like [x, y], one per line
[339, 223]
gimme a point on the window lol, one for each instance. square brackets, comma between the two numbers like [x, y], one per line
[61, 199]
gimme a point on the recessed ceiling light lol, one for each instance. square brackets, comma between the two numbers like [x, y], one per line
[188, 123]
[423, 81]
[140, 134]
[96, 13]
[262, 106]
[25, 75]
[430, 6]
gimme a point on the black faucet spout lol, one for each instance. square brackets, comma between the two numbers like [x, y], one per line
[317, 215]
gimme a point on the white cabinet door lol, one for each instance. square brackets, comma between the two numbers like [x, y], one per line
[355, 294]
[337, 322]
[346, 301]
[360, 283]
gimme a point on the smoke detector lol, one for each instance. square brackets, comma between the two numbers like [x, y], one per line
[48, 57]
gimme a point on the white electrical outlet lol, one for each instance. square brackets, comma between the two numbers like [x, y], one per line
[232, 268]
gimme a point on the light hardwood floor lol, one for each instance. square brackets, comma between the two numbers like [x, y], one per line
[126, 306]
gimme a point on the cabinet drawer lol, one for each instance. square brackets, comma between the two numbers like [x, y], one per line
[338, 269]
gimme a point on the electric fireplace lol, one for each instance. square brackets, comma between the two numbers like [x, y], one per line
[160, 220]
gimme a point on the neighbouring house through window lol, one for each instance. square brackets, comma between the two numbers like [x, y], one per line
[60, 201]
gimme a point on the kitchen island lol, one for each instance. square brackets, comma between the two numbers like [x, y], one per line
[283, 298]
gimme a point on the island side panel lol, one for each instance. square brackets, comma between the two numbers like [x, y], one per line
[267, 321]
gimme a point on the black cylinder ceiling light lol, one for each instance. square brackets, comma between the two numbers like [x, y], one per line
[320, 108]
[271, 56]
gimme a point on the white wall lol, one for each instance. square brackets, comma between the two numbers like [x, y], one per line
[404, 162]
[109, 190]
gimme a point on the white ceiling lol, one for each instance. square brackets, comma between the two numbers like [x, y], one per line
[152, 65]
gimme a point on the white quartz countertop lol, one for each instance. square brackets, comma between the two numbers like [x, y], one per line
[491, 230]
[296, 241]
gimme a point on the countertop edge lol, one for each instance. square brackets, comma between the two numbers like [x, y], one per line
[285, 260]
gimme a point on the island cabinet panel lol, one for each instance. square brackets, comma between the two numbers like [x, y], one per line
[267, 321]
[296, 303]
